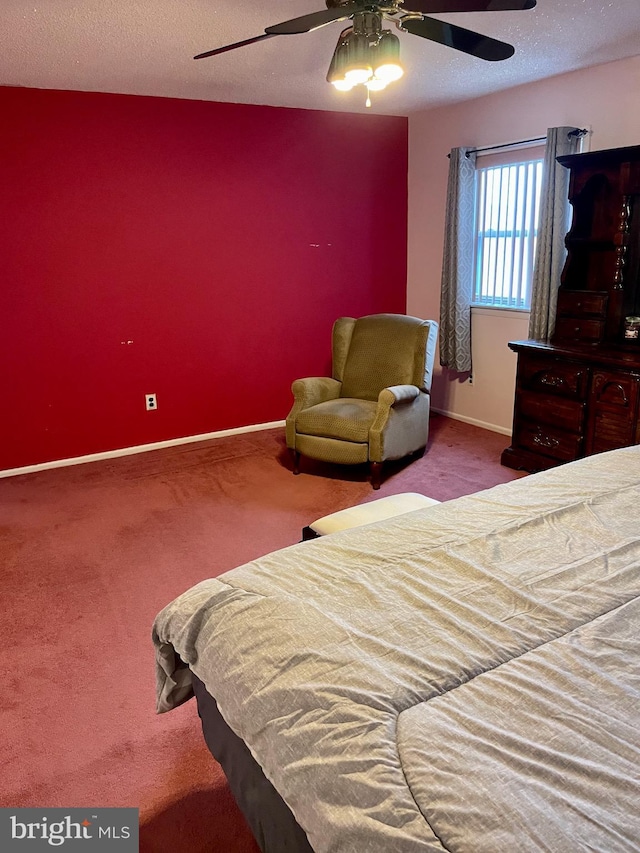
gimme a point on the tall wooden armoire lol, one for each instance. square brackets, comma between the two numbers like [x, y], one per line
[579, 393]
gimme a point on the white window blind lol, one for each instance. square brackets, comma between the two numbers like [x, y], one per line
[507, 212]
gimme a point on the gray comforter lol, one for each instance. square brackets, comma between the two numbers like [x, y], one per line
[465, 677]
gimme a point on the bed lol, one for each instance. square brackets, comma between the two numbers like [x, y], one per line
[462, 678]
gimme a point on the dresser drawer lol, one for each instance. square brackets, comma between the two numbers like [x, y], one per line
[553, 377]
[616, 393]
[562, 446]
[582, 303]
[609, 434]
[578, 329]
[613, 410]
[550, 409]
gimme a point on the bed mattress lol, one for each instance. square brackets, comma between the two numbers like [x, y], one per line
[465, 677]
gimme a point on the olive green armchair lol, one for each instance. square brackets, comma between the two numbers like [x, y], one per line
[375, 406]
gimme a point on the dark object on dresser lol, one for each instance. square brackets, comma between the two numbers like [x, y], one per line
[579, 393]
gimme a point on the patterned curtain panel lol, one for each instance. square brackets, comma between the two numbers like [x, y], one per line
[555, 216]
[457, 267]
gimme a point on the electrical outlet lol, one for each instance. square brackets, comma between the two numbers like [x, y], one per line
[151, 402]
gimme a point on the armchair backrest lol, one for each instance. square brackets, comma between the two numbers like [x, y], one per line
[380, 350]
[340, 343]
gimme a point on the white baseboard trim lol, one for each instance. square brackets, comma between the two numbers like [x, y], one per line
[139, 448]
[474, 422]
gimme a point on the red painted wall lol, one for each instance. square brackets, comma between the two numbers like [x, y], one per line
[200, 251]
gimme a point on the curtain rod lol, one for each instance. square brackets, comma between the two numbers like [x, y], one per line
[482, 149]
[515, 144]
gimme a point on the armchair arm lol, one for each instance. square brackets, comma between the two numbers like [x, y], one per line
[401, 424]
[388, 398]
[315, 389]
[309, 392]
[397, 394]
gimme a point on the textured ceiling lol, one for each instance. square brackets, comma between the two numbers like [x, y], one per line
[145, 47]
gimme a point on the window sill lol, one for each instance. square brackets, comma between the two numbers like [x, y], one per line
[492, 310]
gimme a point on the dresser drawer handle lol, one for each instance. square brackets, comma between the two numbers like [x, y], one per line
[545, 441]
[553, 381]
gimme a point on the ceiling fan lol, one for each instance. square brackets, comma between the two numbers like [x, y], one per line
[368, 54]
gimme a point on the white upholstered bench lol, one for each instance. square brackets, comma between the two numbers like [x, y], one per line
[355, 516]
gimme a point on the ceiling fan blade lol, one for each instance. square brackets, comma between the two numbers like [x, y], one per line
[306, 23]
[295, 26]
[227, 47]
[435, 7]
[458, 38]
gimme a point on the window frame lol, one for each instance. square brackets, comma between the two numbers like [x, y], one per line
[520, 156]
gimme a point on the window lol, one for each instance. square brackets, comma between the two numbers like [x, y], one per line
[507, 212]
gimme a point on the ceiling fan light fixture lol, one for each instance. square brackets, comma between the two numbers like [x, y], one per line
[339, 63]
[375, 84]
[342, 85]
[387, 65]
[358, 67]
[390, 72]
[358, 74]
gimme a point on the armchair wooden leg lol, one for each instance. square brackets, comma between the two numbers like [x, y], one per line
[295, 455]
[376, 474]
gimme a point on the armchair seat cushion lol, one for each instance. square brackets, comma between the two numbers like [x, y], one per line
[346, 419]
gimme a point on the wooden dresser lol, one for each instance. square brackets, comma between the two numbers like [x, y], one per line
[579, 393]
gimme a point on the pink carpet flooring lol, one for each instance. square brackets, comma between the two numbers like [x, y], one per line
[90, 553]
